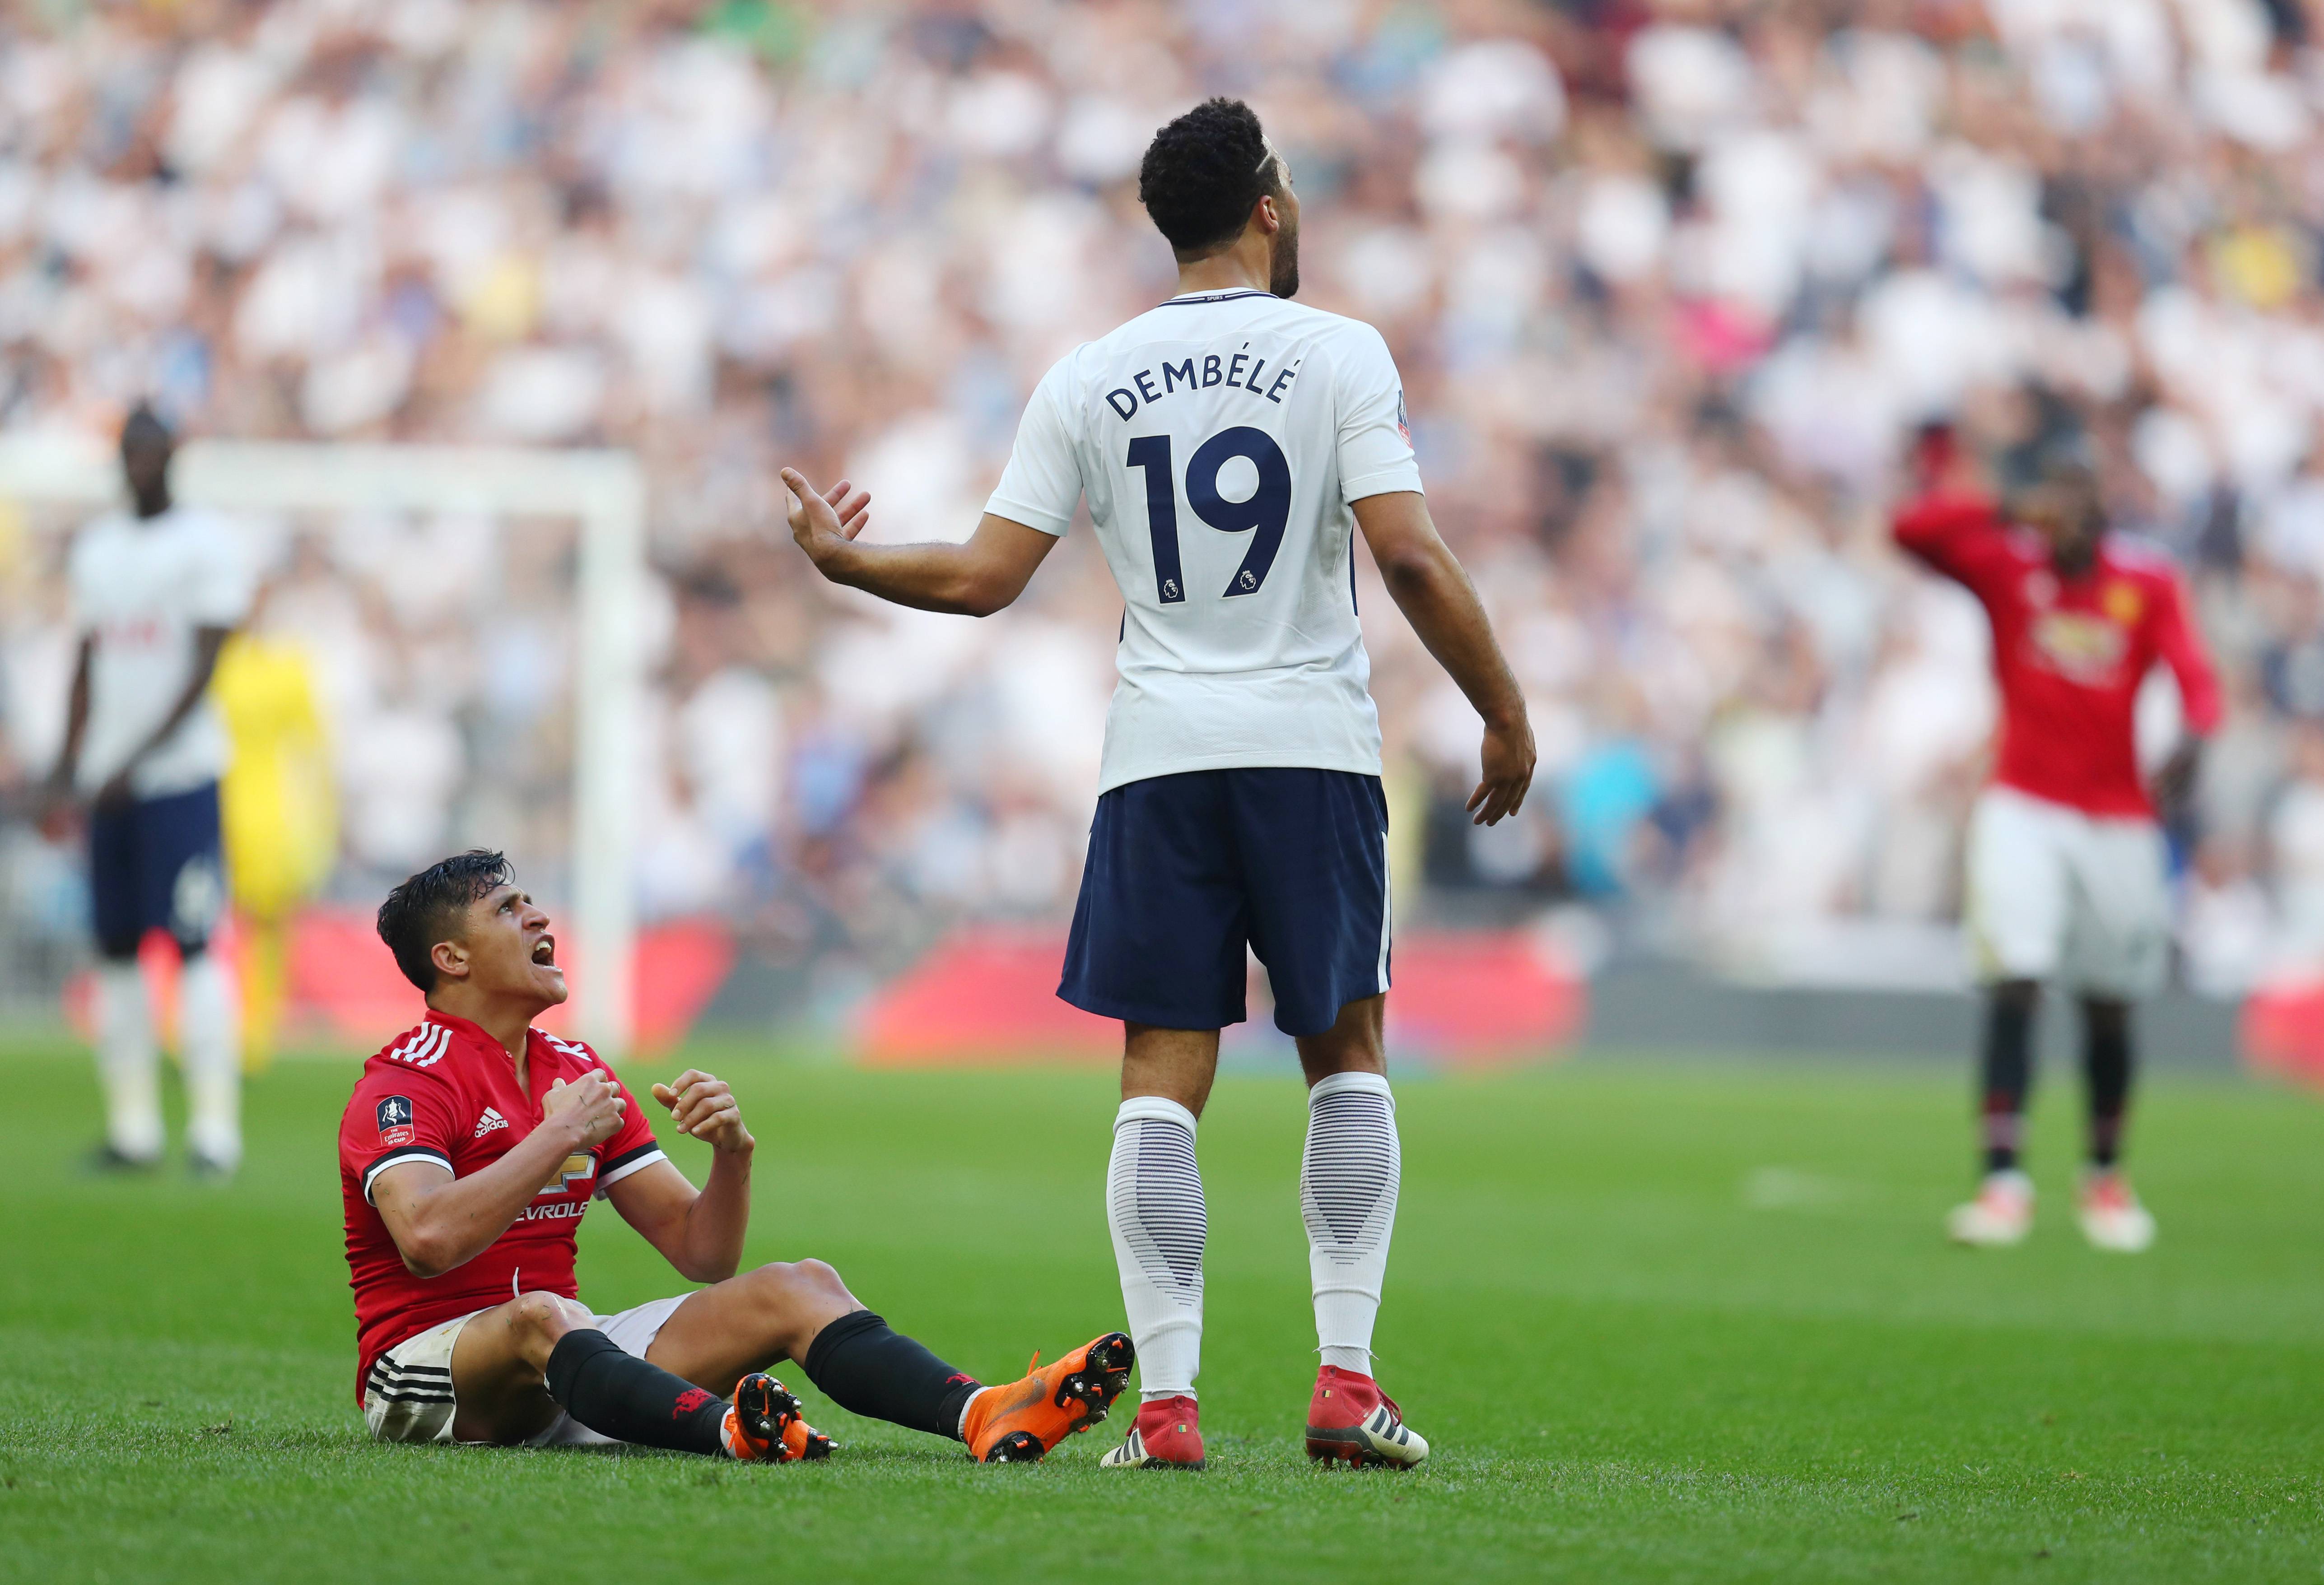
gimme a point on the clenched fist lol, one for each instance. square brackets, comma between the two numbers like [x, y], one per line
[592, 1106]
[703, 1107]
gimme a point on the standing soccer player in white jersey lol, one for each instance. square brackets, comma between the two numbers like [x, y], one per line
[1230, 444]
[155, 591]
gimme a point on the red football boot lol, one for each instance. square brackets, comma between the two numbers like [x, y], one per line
[1351, 1420]
[1168, 1435]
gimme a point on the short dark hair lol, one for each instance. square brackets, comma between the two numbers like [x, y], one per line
[1201, 174]
[425, 908]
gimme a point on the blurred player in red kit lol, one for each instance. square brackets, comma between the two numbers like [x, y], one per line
[2066, 859]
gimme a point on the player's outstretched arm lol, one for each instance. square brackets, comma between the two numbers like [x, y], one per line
[974, 579]
[699, 1231]
[439, 1222]
[1436, 595]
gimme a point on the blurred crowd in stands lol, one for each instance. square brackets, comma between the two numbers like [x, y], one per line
[1671, 282]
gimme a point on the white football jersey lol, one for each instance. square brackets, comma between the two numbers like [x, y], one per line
[1219, 440]
[140, 588]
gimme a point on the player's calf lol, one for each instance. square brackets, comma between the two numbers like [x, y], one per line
[616, 1393]
[516, 1365]
[733, 1330]
[771, 1313]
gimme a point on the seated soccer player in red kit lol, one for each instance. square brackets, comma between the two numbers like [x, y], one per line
[468, 1154]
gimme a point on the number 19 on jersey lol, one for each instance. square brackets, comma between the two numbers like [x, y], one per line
[1262, 515]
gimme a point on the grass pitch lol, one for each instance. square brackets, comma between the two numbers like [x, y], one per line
[1660, 1322]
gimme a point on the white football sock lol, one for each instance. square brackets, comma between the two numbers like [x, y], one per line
[128, 1063]
[1154, 1204]
[209, 1040]
[1348, 1178]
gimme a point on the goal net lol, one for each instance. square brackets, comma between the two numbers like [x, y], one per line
[483, 607]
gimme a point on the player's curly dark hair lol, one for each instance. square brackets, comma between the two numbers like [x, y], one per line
[1201, 174]
[427, 908]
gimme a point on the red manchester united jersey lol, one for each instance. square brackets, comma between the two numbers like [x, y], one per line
[2069, 654]
[448, 1092]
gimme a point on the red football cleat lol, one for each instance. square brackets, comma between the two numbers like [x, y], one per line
[1168, 1435]
[1351, 1420]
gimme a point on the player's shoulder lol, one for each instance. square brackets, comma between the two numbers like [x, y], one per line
[2013, 541]
[419, 1050]
[573, 1053]
[99, 537]
[394, 1078]
[205, 533]
[103, 525]
[2136, 555]
[1322, 321]
[1199, 314]
[1322, 328]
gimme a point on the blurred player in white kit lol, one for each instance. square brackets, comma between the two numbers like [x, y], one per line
[155, 591]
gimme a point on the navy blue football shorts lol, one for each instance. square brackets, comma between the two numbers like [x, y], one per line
[153, 865]
[1185, 871]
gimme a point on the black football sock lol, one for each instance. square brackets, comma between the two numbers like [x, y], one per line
[2008, 1073]
[868, 1370]
[2106, 1066]
[616, 1393]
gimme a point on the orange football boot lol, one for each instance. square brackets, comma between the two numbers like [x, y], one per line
[765, 1425]
[1021, 1421]
[802, 1441]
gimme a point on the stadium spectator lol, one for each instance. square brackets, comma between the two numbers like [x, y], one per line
[1671, 284]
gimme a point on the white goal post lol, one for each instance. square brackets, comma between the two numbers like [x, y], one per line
[603, 490]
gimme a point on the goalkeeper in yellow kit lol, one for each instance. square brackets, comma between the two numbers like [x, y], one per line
[278, 815]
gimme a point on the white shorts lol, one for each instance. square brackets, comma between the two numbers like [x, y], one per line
[408, 1395]
[2054, 893]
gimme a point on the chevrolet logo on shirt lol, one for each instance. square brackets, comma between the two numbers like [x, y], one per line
[579, 1167]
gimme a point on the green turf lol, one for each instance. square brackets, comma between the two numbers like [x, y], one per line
[1661, 1322]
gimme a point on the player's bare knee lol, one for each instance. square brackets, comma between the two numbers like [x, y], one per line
[788, 1281]
[538, 1320]
[1353, 1045]
[821, 1278]
[798, 1298]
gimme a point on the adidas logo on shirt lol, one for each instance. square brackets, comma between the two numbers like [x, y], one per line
[486, 1124]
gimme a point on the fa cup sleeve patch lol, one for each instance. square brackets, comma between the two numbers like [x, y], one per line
[395, 1120]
